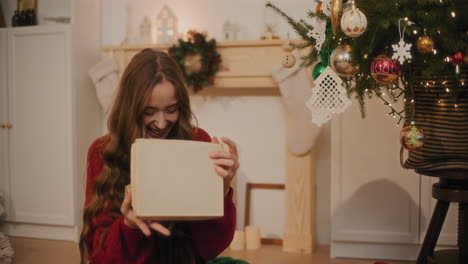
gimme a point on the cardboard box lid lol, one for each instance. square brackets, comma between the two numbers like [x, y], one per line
[175, 180]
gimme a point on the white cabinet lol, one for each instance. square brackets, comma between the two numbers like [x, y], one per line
[50, 103]
[41, 139]
[378, 209]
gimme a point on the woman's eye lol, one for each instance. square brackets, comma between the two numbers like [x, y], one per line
[172, 110]
[148, 113]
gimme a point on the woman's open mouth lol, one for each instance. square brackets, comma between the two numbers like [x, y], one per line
[155, 133]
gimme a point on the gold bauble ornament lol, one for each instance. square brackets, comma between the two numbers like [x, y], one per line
[335, 15]
[342, 62]
[318, 9]
[425, 44]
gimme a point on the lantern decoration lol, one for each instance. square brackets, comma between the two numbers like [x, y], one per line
[353, 22]
[341, 61]
[385, 70]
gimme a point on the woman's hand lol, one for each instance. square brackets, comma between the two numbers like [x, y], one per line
[226, 163]
[134, 222]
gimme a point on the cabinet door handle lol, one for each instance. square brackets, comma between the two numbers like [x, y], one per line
[9, 125]
[3, 125]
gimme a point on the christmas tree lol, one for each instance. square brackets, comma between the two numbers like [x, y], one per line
[400, 39]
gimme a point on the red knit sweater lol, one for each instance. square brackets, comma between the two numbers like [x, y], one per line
[124, 245]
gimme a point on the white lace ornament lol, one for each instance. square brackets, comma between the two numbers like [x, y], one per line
[402, 50]
[318, 33]
[326, 7]
[329, 97]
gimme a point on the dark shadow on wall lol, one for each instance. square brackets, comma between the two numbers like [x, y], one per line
[377, 210]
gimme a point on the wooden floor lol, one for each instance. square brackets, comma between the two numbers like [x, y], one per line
[35, 251]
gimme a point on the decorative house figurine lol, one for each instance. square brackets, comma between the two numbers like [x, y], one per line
[230, 30]
[227, 30]
[166, 26]
[145, 31]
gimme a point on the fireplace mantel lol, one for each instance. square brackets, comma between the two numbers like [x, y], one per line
[245, 71]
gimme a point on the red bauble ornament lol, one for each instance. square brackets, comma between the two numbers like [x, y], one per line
[458, 58]
[385, 70]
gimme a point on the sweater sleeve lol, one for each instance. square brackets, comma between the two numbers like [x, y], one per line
[211, 237]
[120, 244]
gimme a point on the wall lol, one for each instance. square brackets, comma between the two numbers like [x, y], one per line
[255, 123]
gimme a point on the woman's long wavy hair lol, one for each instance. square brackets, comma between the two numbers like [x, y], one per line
[147, 69]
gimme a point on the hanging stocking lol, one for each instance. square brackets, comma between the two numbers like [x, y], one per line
[104, 77]
[295, 89]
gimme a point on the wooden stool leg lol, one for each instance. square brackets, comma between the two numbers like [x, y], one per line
[463, 232]
[433, 232]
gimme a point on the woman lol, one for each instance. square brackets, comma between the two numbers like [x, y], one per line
[152, 102]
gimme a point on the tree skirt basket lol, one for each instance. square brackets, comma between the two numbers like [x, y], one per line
[442, 114]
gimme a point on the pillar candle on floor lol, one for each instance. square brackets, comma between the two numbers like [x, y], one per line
[238, 242]
[252, 237]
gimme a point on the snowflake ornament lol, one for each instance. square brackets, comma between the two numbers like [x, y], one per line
[401, 51]
[329, 97]
[318, 33]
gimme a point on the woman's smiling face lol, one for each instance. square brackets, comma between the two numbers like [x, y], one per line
[161, 112]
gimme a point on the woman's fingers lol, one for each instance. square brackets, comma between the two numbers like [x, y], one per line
[130, 219]
[214, 140]
[225, 162]
[222, 155]
[143, 226]
[127, 202]
[232, 145]
[160, 228]
[134, 222]
[221, 171]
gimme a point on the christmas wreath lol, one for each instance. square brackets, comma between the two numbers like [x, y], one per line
[197, 58]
